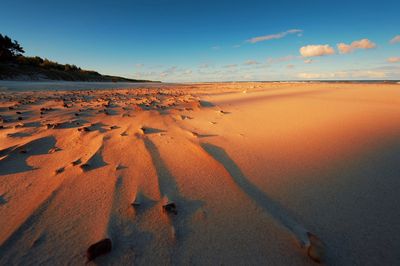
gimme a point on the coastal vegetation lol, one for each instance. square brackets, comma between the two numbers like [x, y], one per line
[15, 66]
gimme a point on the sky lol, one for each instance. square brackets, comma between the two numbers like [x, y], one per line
[190, 41]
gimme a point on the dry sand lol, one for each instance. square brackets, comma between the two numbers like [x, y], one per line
[252, 168]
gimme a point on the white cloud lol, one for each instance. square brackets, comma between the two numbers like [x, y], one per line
[168, 71]
[251, 62]
[187, 72]
[273, 36]
[393, 59]
[308, 61]
[215, 47]
[354, 74]
[280, 59]
[316, 50]
[368, 74]
[148, 74]
[247, 76]
[395, 39]
[290, 66]
[312, 75]
[230, 66]
[360, 44]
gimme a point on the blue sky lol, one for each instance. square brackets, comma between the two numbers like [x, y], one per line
[213, 40]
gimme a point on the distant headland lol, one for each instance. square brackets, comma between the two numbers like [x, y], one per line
[15, 66]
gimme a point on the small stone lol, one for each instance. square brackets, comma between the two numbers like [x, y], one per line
[85, 166]
[76, 162]
[100, 248]
[60, 170]
[86, 129]
[170, 208]
[135, 204]
[315, 249]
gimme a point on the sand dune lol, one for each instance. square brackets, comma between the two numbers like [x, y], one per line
[204, 174]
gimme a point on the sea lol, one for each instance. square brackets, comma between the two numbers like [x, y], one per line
[6, 85]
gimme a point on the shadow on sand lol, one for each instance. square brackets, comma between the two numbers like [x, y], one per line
[127, 237]
[257, 195]
[15, 158]
[170, 190]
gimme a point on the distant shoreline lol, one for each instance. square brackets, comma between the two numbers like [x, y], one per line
[8, 85]
[304, 81]
[34, 69]
[58, 85]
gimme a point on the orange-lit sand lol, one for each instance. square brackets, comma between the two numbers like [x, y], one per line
[251, 167]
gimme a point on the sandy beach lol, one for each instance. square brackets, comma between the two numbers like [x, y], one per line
[202, 174]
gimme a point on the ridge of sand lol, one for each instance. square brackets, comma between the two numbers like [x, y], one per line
[251, 167]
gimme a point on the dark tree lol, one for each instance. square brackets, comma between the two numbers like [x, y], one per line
[9, 49]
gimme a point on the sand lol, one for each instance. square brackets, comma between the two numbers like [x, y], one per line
[251, 168]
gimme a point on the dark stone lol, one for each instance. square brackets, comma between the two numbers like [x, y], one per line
[135, 204]
[85, 166]
[170, 208]
[315, 250]
[100, 248]
[76, 162]
[86, 129]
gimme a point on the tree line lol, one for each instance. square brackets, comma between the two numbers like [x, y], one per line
[12, 52]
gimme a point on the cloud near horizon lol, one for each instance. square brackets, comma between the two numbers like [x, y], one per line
[230, 66]
[280, 59]
[168, 71]
[316, 50]
[395, 39]
[360, 44]
[204, 66]
[273, 36]
[251, 62]
[187, 72]
[393, 59]
[344, 75]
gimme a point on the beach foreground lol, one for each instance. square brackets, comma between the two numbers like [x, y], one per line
[252, 169]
